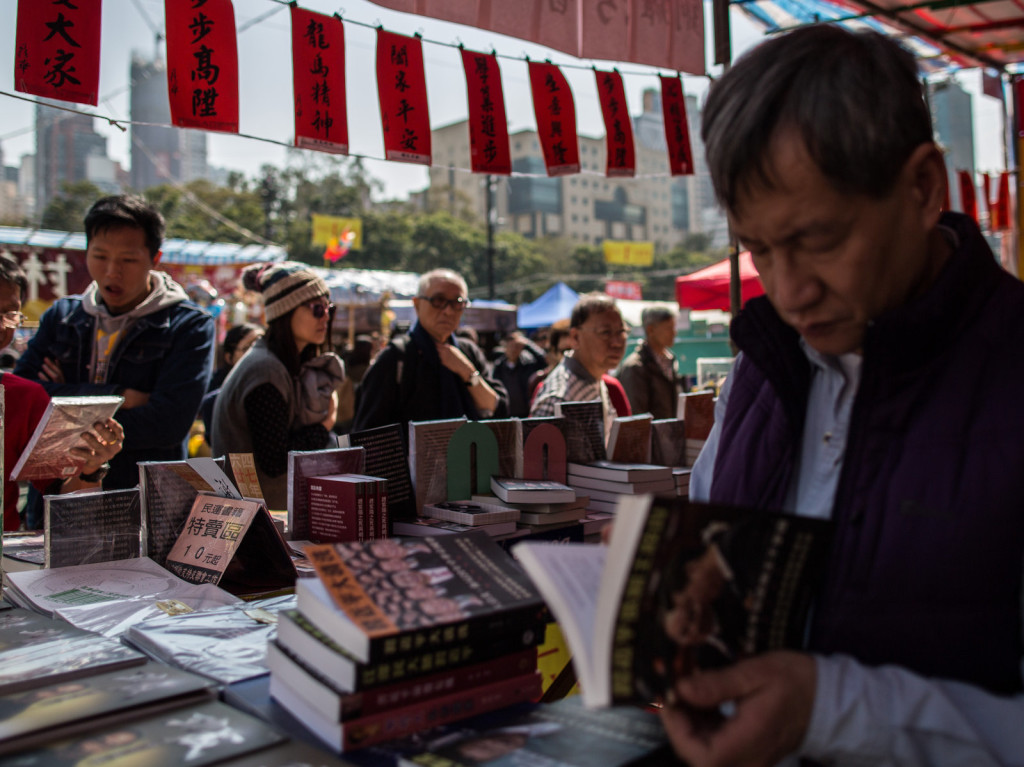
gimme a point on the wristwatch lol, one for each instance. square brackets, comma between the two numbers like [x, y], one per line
[475, 379]
[97, 475]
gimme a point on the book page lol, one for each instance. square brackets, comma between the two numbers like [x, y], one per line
[428, 458]
[567, 576]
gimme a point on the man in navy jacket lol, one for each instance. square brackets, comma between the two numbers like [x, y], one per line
[132, 332]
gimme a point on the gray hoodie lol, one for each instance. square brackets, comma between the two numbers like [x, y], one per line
[110, 329]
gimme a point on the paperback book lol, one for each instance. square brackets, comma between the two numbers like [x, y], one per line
[428, 458]
[681, 587]
[584, 430]
[434, 526]
[513, 490]
[668, 442]
[48, 452]
[378, 599]
[36, 650]
[58, 710]
[471, 513]
[315, 463]
[386, 457]
[629, 438]
[301, 639]
[621, 472]
[559, 734]
[168, 490]
[92, 527]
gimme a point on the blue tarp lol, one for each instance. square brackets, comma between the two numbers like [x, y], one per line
[551, 307]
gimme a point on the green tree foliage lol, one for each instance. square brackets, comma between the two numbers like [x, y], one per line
[66, 211]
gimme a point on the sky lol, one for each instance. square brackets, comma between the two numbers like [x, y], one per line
[266, 87]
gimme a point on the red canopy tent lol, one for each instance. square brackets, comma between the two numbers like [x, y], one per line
[708, 288]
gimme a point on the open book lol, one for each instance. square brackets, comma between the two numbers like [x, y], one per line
[48, 452]
[681, 586]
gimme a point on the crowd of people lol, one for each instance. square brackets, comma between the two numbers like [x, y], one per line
[876, 385]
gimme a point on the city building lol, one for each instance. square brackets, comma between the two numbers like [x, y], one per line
[587, 207]
[953, 118]
[160, 153]
[69, 150]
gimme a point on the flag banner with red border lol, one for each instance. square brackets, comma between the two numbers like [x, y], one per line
[677, 131]
[618, 126]
[57, 50]
[488, 128]
[402, 87]
[555, 111]
[318, 77]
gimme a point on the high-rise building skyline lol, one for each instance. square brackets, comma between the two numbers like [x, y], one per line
[587, 207]
[160, 154]
[65, 142]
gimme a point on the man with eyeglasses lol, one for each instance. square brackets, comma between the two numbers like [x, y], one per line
[133, 332]
[429, 373]
[599, 341]
[24, 404]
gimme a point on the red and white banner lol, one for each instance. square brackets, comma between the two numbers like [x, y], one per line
[318, 77]
[202, 64]
[402, 87]
[677, 131]
[618, 125]
[622, 289]
[555, 111]
[57, 50]
[666, 33]
[968, 198]
[488, 128]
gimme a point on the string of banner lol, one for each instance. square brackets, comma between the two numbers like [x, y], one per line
[57, 57]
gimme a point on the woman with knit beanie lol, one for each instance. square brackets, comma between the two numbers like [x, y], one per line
[281, 396]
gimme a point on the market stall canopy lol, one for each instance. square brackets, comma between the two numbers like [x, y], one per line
[708, 288]
[368, 286]
[556, 304]
[958, 33]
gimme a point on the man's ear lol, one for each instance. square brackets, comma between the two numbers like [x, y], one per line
[926, 173]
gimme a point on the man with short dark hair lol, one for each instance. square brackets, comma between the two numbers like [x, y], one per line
[133, 332]
[878, 385]
[514, 367]
[599, 341]
[650, 374]
[429, 373]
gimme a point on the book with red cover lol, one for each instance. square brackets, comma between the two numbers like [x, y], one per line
[339, 705]
[337, 508]
[399, 722]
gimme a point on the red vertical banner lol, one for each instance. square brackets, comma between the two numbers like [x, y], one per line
[202, 64]
[618, 126]
[990, 207]
[57, 50]
[556, 118]
[968, 198]
[677, 131]
[402, 87]
[318, 77]
[1000, 216]
[488, 128]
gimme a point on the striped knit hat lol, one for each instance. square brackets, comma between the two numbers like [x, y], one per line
[284, 286]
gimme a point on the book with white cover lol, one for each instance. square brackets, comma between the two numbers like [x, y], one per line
[471, 512]
[513, 490]
[663, 485]
[621, 472]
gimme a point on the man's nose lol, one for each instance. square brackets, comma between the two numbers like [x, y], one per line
[791, 286]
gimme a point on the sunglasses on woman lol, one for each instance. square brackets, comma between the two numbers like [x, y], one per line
[319, 309]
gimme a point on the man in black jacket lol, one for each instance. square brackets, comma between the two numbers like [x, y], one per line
[430, 374]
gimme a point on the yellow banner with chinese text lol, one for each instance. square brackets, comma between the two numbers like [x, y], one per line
[629, 253]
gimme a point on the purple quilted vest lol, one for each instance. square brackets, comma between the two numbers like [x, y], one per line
[927, 563]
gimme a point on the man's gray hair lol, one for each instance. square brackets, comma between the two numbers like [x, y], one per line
[445, 275]
[654, 315]
[853, 98]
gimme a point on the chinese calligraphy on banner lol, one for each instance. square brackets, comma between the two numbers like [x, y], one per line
[999, 208]
[556, 118]
[402, 86]
[666, 33]
[57, 50]
[630, 291]
[488, 128]
[202, 64]
[618, 125]
[677, 132]
[968, 199]
[318, 76]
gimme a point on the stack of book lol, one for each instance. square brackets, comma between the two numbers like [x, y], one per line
[682, 477]
[396, 635]
[541, 504]
[606, 481]
[347, 507]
